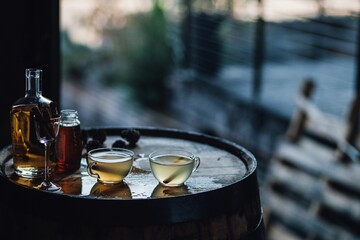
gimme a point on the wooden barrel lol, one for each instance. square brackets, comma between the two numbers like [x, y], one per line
[219, 201]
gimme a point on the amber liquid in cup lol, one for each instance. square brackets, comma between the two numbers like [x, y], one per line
[109, 167]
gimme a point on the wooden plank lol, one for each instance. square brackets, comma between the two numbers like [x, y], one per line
[307, 160]
[349, 206]
[304, 221]
[299, 181]
[306, 172]
[321, 123]
[309, 193]
[315, 190]
[278, 231]
[343, 133]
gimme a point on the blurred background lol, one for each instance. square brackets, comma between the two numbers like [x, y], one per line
[229, 68]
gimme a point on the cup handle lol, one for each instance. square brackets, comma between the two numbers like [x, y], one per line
[197, 163]
[89, 168]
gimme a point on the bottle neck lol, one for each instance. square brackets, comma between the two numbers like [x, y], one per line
[33, 82]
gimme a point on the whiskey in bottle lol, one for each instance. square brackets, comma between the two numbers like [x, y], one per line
[28, 152]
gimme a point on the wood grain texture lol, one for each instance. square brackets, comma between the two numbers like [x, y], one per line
[219, 201]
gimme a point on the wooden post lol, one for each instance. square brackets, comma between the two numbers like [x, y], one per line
[352, 129]
[298, 120]
[259, 50]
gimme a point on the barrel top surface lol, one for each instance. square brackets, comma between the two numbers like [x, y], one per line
[223, 163]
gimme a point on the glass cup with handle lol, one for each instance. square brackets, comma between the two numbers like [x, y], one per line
[109, 165]
[172, 167]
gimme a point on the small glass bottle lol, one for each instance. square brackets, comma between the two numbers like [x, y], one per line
[28, 152]
[69, 145]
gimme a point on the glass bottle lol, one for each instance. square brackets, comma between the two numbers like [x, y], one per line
[28, 153]
[69, 145]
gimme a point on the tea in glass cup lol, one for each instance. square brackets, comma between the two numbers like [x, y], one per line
[173, 167]
[109, 165]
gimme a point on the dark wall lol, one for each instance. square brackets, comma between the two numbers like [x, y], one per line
[29, 38]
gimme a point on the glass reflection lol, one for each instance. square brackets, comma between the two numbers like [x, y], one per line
[161, 191]
[120, 190]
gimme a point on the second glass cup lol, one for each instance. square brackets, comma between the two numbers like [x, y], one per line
[109, 165]
[172, 167]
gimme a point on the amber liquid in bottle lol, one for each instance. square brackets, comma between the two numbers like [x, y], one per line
[69, 145]
[28, 153]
